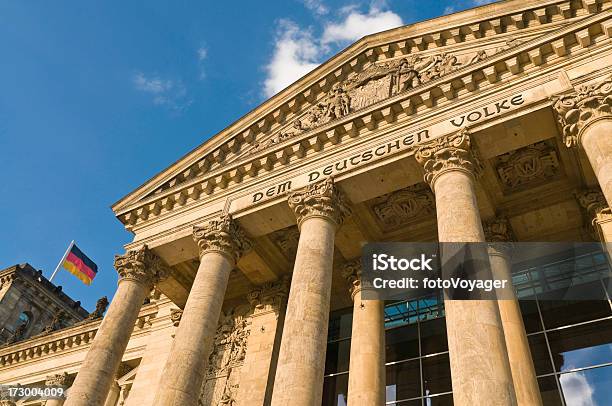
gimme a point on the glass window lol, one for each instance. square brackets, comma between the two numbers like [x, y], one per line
[433, 336]
[441, 400]
[581, 346]
[337, 357]
[24, 318]
[531, 317]
[402, 343]
[340, 324]
[403, 381]
[589, 387]
[436, 374]
[335, 389]
[549, 391]
[557, 313]
[539, 354]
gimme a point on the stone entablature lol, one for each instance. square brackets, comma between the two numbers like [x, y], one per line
[547, 48]
[68, 339]
[514, 21]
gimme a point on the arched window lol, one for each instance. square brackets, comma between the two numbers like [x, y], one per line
[25, 318]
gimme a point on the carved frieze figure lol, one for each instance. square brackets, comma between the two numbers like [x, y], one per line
[18, 333]
[269, 296]
[101, 306]
[376, 82]
[56, 323]
[576, 109]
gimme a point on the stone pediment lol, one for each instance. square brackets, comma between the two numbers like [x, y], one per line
[380, 77]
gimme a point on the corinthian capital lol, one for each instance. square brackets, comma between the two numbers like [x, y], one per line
[224, 236]
[141, 265]
[578, 109]
[351, 271]
[593, 201]
[499, 235]
[448, 153]
[59, 380]
[321, 199]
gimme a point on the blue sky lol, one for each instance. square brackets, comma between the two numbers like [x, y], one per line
[97, 97]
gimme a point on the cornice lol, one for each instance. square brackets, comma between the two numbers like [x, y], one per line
[64, 340]
[464, 27]
[546, 49]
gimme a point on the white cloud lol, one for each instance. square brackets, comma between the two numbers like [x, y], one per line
[202, 53]
[577, 390]
[297, 50]
[295, 54]
[164, 92]
[449, 10]
[356, 25]
[482, 2]
[316, 6]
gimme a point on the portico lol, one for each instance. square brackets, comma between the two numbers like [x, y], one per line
[254, 235]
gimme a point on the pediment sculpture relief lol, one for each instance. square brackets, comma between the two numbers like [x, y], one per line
[376, 83]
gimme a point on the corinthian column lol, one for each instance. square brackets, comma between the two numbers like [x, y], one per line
[586, 120]
[597, 210]
[480, 369]
[138, 271]
[64, 380]
[221, 243]
[499, 236]
[367, 362]
[320, 209]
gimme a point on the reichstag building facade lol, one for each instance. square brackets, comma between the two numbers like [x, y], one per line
[489, 125]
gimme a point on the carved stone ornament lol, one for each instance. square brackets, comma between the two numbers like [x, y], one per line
[499, 235]
[175, 316]
[448, 153]
[230, 345]
[224, 236]
[141, 265]
[322, 199]
[287, 240]
[403, 206]
[269, 296]
[536, 163]
[57, 322]
[351, 271]
[101, 306]
[576, 110]
[594, 203]
[375, 83]
[59, 380]
[7, 402]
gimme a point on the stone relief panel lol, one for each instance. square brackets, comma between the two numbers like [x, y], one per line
[377, 82]
[287, 241]
[528, 166]
[402, 207]
[226, 358]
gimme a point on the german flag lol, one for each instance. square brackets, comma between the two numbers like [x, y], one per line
[80, 265]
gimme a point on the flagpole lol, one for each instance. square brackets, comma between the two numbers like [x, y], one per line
[61, 260]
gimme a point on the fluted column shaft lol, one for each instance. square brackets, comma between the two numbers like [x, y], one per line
[301, 363]
[138, 271]
[585, 117]
[480, 370]
[221, 243]
[367, 376]
[524, 377]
